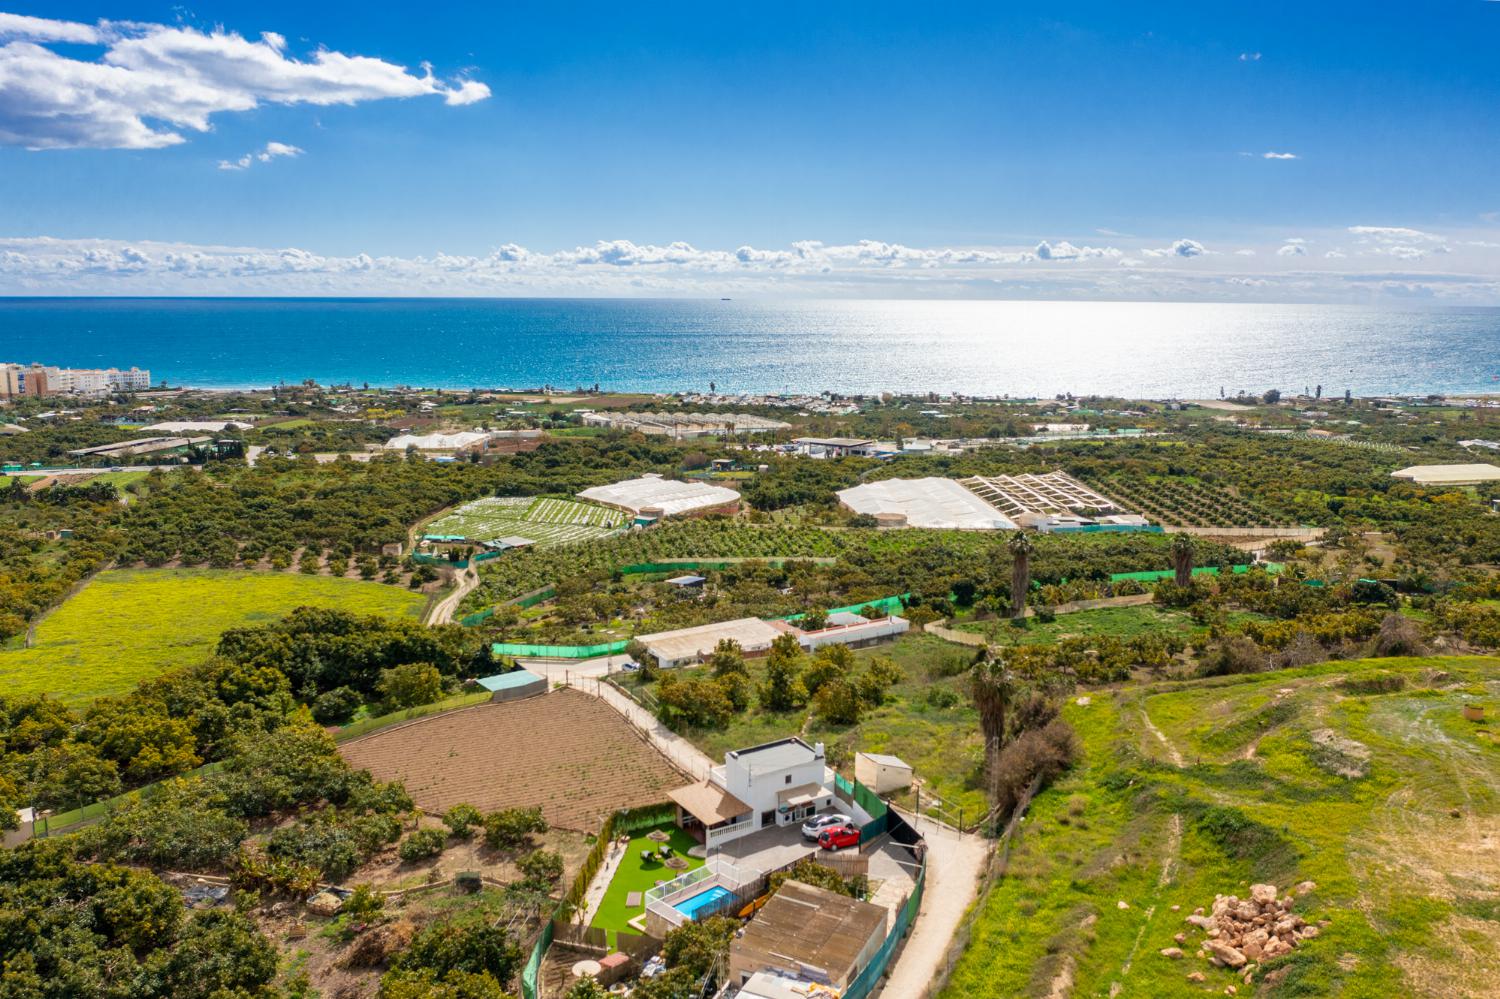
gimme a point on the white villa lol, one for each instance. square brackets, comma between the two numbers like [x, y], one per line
[778, 783]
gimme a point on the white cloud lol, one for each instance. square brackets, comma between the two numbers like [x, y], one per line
[1247, 252]
[1392, 232]
[1290, 249]
[266, 155]
[153, 82]
[1278, 156]
[1183, 271]
[1249, 57]
[1335, 255]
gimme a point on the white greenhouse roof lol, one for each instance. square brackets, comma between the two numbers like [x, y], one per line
[929, 502]
[671, 496]
[435, 442]
[1453, 475]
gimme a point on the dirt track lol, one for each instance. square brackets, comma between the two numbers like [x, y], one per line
[565, 751]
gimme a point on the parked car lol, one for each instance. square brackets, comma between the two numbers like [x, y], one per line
[838, 837]
[813, 827]
[630, 665]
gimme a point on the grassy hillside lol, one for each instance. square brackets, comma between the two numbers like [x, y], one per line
[1361, 776]
[127, 624]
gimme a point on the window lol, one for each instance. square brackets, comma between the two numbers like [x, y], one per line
[788, 778]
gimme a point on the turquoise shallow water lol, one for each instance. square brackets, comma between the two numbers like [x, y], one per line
[991, 348]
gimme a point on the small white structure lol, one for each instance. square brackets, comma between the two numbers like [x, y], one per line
[686, 646]
[881, 773]
[1448, 475]
[198, 426]
[853, 630]
[664, 497]
[776, 783]
[927, 502]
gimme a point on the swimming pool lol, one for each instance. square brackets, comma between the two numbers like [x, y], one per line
[690, 907]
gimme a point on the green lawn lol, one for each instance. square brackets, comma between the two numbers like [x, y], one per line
[1388, 801]
[129, 624]
[637, 875]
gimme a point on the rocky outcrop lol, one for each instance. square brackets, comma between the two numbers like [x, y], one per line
[1240, 933]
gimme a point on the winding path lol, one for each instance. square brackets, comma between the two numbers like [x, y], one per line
[442, 611]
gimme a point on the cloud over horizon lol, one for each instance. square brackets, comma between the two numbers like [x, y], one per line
[153, 82]
[1184, 270]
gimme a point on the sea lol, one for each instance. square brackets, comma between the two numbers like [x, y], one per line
[990, 348]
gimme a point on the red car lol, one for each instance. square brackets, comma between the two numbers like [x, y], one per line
[839, 837]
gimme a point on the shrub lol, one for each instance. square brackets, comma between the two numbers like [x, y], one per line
[336, 706]
[409, 685]
[542, 865]
[510, 828]
[364, 905]
[462, 819]
[1034, 755]
[421, 844]
[1399, 636]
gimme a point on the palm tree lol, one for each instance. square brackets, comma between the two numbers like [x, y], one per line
[994, 688]
[1182, 558]
[1021, 547]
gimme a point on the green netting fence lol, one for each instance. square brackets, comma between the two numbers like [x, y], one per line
[865, 981]
[557, 651]
[462, 563]
[1202, 570]
[531, 974]
[878, 810]
[890, 605]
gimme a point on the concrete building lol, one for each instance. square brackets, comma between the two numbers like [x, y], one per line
[777, 783]
[809, 934]
[682, 426]
[845, 628]
[1448, 475]
[142, 446]
[881, 773]
[44, 380]
[686, 646]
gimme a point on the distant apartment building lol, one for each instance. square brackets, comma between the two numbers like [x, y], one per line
[17, 380]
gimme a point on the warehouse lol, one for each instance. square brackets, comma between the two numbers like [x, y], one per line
[1448, 475]
[811, 934]
[929, 502]
[652, 497]
[686, 646]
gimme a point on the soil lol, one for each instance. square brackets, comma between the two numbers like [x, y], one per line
[566, 751]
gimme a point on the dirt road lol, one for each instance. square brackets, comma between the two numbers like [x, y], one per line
[442, 611]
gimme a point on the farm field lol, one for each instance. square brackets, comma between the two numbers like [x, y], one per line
[1187, 502]
[566, 751]
[545, 520]
[1361, 776]
[1114, 622]
[129, 624]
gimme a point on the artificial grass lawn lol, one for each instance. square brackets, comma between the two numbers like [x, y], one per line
[130, 624]
[634, 875]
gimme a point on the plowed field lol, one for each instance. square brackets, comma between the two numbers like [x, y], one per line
[566, 751]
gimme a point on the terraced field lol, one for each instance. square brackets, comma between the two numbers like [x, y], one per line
[545, 520]
[1363, 777]
[566, 751]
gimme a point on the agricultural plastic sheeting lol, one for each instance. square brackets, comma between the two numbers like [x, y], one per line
[1204, 570]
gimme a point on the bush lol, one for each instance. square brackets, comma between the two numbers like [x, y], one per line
[511, 828]
[421, 844]
[364, 905]
[336, 706]
[542, 865]
[462, 819]
[410, 685]
[1034, 755]
[1399, 636]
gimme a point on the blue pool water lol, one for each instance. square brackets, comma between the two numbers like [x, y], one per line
[690, 907]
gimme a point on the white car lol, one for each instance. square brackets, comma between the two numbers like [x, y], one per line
[814, 826]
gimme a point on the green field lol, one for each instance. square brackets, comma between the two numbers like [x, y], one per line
[129, 624]
[545, 520]
[1361, 776]
[1123, 623]
[635, 874]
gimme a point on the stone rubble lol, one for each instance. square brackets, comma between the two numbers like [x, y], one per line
[1240, 933]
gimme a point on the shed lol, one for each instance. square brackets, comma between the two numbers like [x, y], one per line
[687, 582]
[514, 685]
[881, 773]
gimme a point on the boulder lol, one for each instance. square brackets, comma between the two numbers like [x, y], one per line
[1196, 976]
[1175, 953]
[1305, 886]
[1204, 922]
[1225, 954]
[1263, 894]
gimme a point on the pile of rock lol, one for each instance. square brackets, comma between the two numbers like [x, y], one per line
[1239, 933]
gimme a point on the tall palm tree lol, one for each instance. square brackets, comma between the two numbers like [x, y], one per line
[1021, 547]
[1182, 558]
[993, 688]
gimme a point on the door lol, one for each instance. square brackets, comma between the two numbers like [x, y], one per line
[768, 818]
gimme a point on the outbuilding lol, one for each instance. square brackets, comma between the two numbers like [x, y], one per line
[881, 773]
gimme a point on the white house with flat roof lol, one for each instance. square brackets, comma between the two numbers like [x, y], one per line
[777, 783]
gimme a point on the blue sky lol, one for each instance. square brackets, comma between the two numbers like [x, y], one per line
[1114, 128]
